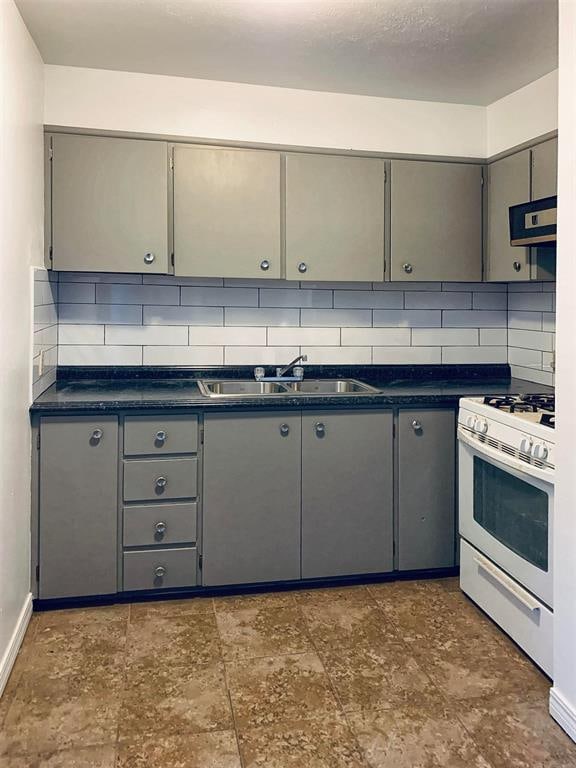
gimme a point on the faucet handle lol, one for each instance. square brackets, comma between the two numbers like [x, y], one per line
[304, 358]
[259, 373]
[298, 372]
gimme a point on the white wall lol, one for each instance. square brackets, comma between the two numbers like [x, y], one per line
[21, 237]
[529, 112]
[93, 98]
[563, 697]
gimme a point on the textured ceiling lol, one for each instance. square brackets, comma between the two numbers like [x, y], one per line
[468, 51]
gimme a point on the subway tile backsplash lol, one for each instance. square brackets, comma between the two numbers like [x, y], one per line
[45, 330]
[157, 320]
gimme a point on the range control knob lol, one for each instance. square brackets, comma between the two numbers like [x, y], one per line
[540, 451]
[481, 426]
[470, 422]
[526, 445]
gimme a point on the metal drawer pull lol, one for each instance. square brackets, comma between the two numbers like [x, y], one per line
[149, 258]
[407, 268]
[320, 429]
[97, 435]
[302, 267]
[416, 426]
[510, 586]
[160, 528]
[284, 430]
[264, 265]
[161, 436]
[159, 571]
[161, 482]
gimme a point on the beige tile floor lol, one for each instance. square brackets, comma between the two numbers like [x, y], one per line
[401, 675]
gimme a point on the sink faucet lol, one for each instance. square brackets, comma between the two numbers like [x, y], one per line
[283, 371]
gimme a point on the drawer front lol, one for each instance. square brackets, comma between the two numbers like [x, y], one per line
[160, 479]
[160, 569]
[159, 524]
[520, 615]
[160, 434]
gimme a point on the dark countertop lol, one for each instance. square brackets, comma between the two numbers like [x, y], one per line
[122, 389]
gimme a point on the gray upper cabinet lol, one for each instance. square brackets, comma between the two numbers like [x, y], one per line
[251, 501]
[508, 184]
[226, 212]
[435, 221]
[545, 169]
[109, 204]
[426, 489]
[347, 516]
[78, 473]
[334, 218]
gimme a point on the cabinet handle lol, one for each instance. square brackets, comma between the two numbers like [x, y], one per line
[159, 571]
[416, 426]
[97, 435]
[302, 267]
[161, 482]
[407, 268]
[284, 430]
[160, 528]
[265, 265]
[517, 266]
[320, 429]
[149, 258]
[161, 436]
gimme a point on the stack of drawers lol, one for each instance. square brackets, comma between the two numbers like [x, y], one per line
[160, 488]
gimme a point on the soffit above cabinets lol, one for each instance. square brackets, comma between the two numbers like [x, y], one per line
[468, 52]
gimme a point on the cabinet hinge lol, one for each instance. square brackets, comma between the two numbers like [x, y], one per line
[50, 254]
[393, 430]
[37, 573]
[172, 258]
[385, 176]
[38, 441]
[171, 161]
[202, 436]
[482, 180]
[50, 151]
[200, 561]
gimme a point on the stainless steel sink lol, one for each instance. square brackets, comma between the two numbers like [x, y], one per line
[240, 388]
[332, 387]
[251, 388]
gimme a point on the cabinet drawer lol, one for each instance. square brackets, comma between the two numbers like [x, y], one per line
[158, 479]
[525, 619]
[160, 568]
[160, 434]
[159, 524]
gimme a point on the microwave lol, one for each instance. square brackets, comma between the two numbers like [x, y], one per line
[534, 223]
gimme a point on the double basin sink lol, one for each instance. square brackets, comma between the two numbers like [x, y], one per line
[251, 388]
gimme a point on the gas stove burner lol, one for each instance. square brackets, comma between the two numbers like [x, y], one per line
[521, 403]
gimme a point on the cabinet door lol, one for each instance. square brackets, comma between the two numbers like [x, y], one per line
[109, 204]
[436, 221]
[347, 517]
[78, 506]
[545, 169]
[508, 184]
[426, 489]
[251, 498]
[334, 218]
[226, 212]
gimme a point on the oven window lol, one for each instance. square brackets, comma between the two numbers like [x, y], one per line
[513, 511]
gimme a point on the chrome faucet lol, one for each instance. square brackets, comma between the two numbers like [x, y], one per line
[282, 371]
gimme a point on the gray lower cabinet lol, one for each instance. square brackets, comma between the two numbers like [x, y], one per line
[334, 218]
[109, 204]
[347, 502]
[251, 497]
[435, 221]
[78, 501]
[426, 489]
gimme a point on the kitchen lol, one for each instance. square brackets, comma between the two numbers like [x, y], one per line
[286, 401]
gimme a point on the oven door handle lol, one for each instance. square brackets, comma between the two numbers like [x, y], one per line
[509, 584]
[505, 459]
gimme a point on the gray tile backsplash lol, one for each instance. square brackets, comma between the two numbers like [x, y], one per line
[45, 331]
[162, 320]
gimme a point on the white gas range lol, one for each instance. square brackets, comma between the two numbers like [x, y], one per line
[506, 506]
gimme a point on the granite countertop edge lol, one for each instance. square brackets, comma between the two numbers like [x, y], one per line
[109, 389]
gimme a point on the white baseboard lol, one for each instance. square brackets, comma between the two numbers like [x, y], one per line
[563, 713]
[11, 652]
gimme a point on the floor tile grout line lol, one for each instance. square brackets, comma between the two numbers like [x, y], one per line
[229, 693]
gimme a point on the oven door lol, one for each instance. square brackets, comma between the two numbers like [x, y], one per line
[506, 512]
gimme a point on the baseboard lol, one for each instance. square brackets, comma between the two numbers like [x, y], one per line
[563, 713]
[9, 657]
